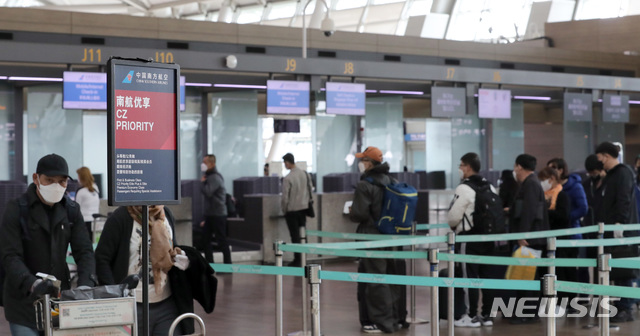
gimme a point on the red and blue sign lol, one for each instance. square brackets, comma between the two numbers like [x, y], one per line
[143, 127]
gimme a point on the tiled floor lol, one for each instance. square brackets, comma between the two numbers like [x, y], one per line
[245, 306]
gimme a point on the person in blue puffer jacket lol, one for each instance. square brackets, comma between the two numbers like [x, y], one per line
[572, 185]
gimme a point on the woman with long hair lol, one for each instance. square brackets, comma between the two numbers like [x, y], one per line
[87, 196]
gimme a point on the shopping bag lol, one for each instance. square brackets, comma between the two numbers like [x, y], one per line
[523, 272]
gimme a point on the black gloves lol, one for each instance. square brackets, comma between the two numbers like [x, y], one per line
[43, 287]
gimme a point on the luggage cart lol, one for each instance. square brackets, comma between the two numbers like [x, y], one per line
[113, 316]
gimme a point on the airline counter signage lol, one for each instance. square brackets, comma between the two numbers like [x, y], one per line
[143, 130]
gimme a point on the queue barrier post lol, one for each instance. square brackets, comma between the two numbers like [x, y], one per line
[279, 254]
[451, 243]
[551, 253]
[550, 294]
[312, 272]
[600, 236]
[604, 268]
[433, 261]
[412, 289]
[303, 263]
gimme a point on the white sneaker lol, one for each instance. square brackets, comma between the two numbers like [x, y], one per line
[466, 322]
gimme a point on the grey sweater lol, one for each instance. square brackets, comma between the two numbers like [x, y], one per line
[215, 195]
[295, 190]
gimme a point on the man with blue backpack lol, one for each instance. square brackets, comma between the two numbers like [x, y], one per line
[382, 307]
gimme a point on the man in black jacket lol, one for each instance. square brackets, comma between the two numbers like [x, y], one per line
[380, 305]
[618, 207]
[528, 214]
[36, 231]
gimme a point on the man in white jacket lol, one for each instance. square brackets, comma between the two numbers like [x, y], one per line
[460, 219]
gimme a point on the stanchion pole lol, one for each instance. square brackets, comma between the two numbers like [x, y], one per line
[551, 253]
[435, 319]
[303, 263]
[312, 272]
[603, 274]
[279, 253]
[451, 242]
[600, 236]
[549, 292]
[412, 289]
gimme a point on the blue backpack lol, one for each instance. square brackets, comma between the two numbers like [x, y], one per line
[398, 207]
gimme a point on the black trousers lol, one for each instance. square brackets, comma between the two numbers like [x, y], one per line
[217, 225]
[382, 304]
[295, 220]
[482, 272]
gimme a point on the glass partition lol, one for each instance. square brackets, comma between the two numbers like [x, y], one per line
[335, 145]
[7, 133]
[467, 135]
[235, 135]
[507, 138]
[438, 147]
[51, 129]
[383, 129]
[190, 129]
[577, 143]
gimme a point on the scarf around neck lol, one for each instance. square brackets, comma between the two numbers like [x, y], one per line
[551, 195]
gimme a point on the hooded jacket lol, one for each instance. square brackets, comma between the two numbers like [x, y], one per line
[367, 199]
[43, 248]
[577, 201]
[618, 199]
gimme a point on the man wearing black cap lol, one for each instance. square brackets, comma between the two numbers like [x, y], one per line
[36, 231]
[296, 193]
[618, 207]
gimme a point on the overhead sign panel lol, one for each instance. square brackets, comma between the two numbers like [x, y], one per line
[346, 98]
[287, 97]
[578, 106]
[84, 90]
[143, 133]
[615, 108]
[448, 102]
[494, 104]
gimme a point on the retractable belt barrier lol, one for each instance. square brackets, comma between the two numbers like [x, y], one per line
[530, 285]
[549, 286]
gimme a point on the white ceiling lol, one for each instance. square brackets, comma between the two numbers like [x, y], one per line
[497, 21]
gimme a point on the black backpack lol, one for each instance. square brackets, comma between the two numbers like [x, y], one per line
[24, 218]
[488, 213]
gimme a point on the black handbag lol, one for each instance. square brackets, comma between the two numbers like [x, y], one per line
[310, 212]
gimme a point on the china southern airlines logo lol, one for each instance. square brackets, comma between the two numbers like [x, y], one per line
[128, 78]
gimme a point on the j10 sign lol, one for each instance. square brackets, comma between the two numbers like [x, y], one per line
[615, 108]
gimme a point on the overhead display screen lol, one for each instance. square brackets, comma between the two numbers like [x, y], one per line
[346, 98]
[578, 106]
[287, 97]
[448, 102]
[494, 104]
[84, 90]
[615, 108]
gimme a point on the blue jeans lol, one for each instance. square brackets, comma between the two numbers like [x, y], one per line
[20, 330]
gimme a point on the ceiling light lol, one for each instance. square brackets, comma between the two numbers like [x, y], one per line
[402, 92]
[35, 79]
[531, 98]
[198, 84]
[240, 86]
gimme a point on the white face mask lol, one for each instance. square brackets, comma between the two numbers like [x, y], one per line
[361, 167]
[203, 167]
[51, 193]
[514, 175]
[546, 185]
[460, 173]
